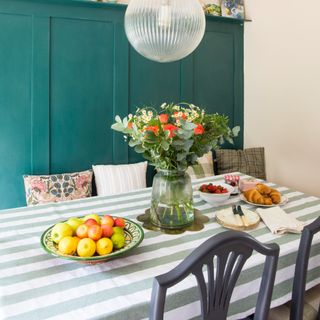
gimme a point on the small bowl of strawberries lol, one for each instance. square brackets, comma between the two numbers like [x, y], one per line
[215, 193]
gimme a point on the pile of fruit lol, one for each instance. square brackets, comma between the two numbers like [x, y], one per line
[89, 235]
[210, 188]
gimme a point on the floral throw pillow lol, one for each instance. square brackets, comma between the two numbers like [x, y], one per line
[57, 187]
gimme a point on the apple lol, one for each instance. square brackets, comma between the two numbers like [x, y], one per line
[118, 240]
[107, 231]
[74, 223]
[119, 222]
[92, 216]
[107, 220]
[86, 247]
[82, 231]
[61, 230]
[104, 246]
[118, 230]
[91, 222]
[95, 232]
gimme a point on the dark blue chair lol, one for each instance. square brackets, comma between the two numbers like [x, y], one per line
[230, 249]
[299, 282]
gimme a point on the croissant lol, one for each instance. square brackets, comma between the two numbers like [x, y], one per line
[263, 189]
[263, 194]
[254, 196]
[275, 196]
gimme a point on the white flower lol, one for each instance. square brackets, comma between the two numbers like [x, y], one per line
[163, 105]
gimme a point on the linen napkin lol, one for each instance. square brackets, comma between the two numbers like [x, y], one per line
[279, 222]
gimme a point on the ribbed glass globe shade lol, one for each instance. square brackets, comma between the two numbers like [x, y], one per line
[164, 30]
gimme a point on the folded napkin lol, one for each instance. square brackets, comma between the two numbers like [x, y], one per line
[279, 222]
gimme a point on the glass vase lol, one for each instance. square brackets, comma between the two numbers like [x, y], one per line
[172, 199]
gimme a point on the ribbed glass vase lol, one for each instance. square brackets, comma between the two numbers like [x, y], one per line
[164, 30]
[172, 199]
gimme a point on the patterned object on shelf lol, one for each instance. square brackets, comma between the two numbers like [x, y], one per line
[212, 7]
[233, 8]
[58, 187]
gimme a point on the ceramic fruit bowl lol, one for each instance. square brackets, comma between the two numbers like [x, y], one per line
[216, 195]
[133, 234]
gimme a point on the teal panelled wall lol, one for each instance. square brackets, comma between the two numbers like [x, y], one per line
[67, 69]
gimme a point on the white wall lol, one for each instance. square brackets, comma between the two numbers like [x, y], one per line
[282, 89]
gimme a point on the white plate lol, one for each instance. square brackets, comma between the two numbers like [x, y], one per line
[283, 201]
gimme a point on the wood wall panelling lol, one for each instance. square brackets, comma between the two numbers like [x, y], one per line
[66, 71]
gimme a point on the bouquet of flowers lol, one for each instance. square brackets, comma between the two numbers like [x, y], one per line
[175, 137]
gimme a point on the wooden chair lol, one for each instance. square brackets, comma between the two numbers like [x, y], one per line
[231, 249]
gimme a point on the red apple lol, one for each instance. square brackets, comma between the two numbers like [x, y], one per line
[107, 231]
[91, 222]
[82, 231]
[95, 232]
[107, 220]
[119, 222]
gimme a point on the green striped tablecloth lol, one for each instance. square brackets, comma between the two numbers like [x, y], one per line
[35, 285]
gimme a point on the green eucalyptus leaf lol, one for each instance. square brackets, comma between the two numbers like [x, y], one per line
[165, 145]
[181, 156]
[229, 139]
[235, 131]
[177, 142]
[118, 127]
[139, 149]
[133, 143]
[187, 145]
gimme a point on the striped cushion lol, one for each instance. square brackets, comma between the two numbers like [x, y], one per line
[203, 169]
[114, 179]
[310, 308]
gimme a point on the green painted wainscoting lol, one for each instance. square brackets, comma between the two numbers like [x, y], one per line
[67, 69]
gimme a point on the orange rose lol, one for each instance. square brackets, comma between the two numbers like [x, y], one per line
[171, 128]
[129, 125]
[198, 129]
[163, 118]
[154, 129]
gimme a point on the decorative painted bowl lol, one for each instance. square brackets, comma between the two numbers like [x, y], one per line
[133, 236]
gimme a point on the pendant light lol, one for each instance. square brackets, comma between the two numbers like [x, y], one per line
[164, 30]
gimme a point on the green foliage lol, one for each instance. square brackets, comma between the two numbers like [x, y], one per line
[175, 137]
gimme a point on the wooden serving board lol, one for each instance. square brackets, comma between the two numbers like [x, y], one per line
[229, 220]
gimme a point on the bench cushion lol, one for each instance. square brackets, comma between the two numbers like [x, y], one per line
[42, 189]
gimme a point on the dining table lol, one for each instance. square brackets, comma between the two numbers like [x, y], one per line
[37, 285]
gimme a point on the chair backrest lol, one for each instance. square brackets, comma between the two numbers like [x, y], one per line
[224, 256]
[299, 282]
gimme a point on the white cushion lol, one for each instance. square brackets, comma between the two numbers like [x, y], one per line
[203, 169]
[114, 179]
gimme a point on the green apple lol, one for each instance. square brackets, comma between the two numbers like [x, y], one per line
[61, 230]
[92, 216]
[118, 230]
[74, 223]
[118, 240]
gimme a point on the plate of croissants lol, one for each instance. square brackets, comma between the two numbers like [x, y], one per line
[263, 196]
